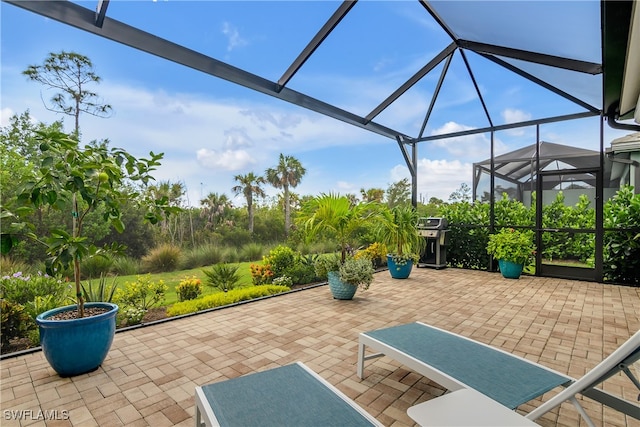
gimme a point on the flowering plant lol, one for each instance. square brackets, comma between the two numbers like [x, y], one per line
[261, 274]
[512, 245]
[283, 281]
[375, 252]
[189, 288]
[23, 288]
[143, 293]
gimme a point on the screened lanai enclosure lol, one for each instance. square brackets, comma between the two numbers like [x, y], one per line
[563, 72]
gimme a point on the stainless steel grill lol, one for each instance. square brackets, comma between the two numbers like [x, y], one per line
[434, 231]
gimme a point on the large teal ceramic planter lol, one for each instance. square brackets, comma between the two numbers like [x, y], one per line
[399, 271]
[510, 270]
[74, 347]
[340, 290]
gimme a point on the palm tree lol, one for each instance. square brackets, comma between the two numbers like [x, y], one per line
[214, 207]
[249, 186]
[334, 214]
[287, 174]
[174, 193]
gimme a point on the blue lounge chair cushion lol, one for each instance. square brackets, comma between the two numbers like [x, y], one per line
[503, 377]
[284, 396]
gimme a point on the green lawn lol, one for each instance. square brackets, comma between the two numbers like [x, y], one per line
[173, 278]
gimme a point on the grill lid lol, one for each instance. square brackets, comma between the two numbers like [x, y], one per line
[431, 223]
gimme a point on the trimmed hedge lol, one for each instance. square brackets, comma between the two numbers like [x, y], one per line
[224, 298]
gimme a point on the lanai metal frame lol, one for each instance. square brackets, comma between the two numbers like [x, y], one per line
[617, 38]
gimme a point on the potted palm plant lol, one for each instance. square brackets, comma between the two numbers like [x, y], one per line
[76, 338]
[335, 216]
[397, 229]
[513, 249]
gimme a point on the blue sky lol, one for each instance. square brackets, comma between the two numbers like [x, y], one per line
[211, 130]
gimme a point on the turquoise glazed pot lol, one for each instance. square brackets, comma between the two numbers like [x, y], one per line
[340, 290]
[510, 270]
[399, 272]
[76, 346]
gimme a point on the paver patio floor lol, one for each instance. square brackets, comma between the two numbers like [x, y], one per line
[150, 373]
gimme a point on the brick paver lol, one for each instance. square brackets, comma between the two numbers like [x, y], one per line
[149, 376]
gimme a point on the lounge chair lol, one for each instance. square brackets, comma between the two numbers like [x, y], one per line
[459, 363]
[291, 395]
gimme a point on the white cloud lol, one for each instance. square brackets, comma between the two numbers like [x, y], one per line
[474, 146]
[440, 178]
[436, 178]
[344, 187]
[5, 115]
[237, 138]
[230, 160]
[233, 36]
[511, 115]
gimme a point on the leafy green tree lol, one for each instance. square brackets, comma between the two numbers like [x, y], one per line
[399, 193]
[70, 75]
[18, 151]
[249, 186]
[87, 177]
[462, 194]
[287, 174]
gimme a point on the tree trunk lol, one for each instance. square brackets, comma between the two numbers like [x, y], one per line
[76, 261]
[250, 209]
[287, 211]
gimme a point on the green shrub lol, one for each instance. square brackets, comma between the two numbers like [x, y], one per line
[468, 234]
[201, 256]
[125, 266]
[280, 259]
[189, 288]
[622, 247]
[301, 274]
[512, 245]
[251, 252]
[96, 266]
[14, 321]
[143, 293]
[23, 288]
[230, 255]
[224, 298]
[222, 276]
[102, 292]
[40, 304]
[161, 259]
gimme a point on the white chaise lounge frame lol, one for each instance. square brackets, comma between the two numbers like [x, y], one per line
[618, 361]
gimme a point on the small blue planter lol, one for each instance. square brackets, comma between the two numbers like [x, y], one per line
[340, 290]
[510, 270]
[76, 346]
[399, 271]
